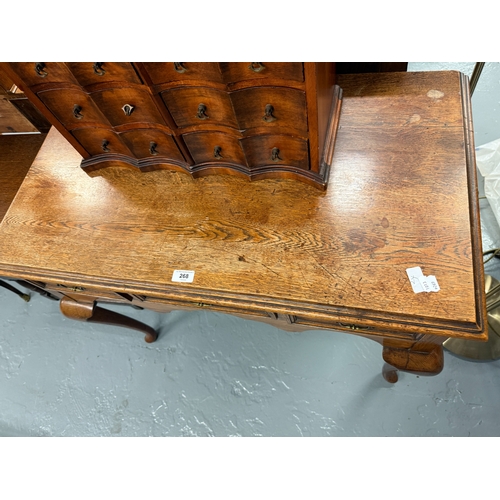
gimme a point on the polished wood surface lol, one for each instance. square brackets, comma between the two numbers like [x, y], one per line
[17, 153]
[402, 194]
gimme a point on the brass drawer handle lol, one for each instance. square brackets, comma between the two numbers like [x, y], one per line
[202, 115]
[72, 288]
[355, 327]
[268, 114]
[98, 69]
[127, 109]
[275, 155]
[217, 152]
[105, 145]
[179, 67]
[152, 148]
[77, 112]
[40, 69]
[257, 67]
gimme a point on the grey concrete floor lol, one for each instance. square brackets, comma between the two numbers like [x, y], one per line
[215, 375]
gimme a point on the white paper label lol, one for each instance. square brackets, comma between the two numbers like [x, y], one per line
[421, 283]
[183, 276]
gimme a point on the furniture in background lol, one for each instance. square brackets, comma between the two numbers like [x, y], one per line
[17, 113]
[258, 120]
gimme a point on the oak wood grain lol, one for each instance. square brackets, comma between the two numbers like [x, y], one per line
[17, 153]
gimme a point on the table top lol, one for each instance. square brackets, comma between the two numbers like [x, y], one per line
[402, 193]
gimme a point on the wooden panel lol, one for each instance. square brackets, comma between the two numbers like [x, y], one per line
[17, 153]
[113, 101]
[214, 146]
[292, 151]
[238, 71]
[99, 141]
[168, 71]
[184, 106]
[51, 72]
[74, 108]
[11, 120]
[148, 143]
[272, 108]
[88, 74]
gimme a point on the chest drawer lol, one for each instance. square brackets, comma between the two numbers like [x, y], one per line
[90, 73]
[239, 71]
[272, 107]
[36, 73]
[169, 71]
[266, 150]
[73, 107]
[214, 147]
[127, 105]
[99, 141]
[151, 143]
[199, 105]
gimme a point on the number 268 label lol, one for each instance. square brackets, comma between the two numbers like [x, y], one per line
[183, 276]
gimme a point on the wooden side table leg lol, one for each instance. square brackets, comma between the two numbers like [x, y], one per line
[420, 358]
[390, 373]
[89, 311]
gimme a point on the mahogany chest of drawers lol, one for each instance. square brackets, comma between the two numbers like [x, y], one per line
[255, 119]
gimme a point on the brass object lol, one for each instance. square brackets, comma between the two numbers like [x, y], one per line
[40, 69]
[489, 350]
[127, 109]
[178, 66]
[257, 67]
[268, 113]
[275, 155]
[202, 112]
[97, 67]
[152, 148]
[217, 152]
[77, 112]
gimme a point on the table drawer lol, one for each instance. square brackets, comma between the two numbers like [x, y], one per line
[127, 105]
[239, 71]
[267, 150]
[168, 71]
[199, 105]
[272, 107]
[97, 294]
[214, 147]
[98, 141]
[36, 73]
[150, 143]
[73, 107]
[89, 73]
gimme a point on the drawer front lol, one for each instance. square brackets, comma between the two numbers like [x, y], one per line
[171, 72]
[90, 73]
[268, 150]
[74, 108]
[199, 105]
[127, 105]
[36, 73]
[239, 71]
[87, 293]
[99, 141]
[214, 147]
[272, 107]
[151, 143]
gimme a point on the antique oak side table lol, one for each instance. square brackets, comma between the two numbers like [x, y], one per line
[402, 194]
